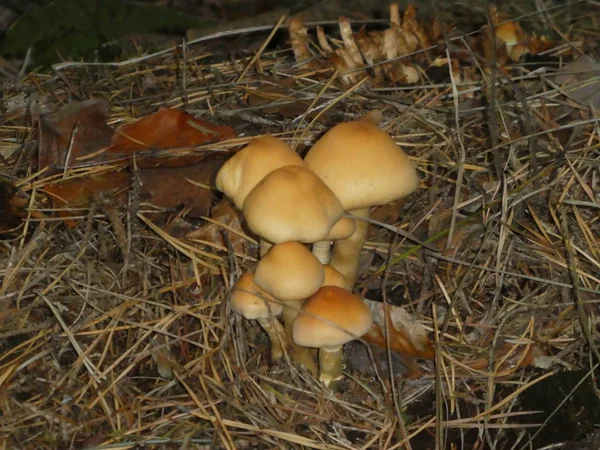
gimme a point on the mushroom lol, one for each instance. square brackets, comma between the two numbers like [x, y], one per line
[291, 273]
[242, 172]
[330, 318]
[364, 167]
[253, 303]
[292, 204]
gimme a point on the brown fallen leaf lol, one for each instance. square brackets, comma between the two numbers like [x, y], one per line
[164, 187]
[404, 333]
[78, 192]
[175, 186]
[222, 213]
[80, 131]
[77, 130]
[167, 129]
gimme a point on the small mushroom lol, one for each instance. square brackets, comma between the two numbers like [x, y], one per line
[291, 273]
[330, 318]
[253, 303]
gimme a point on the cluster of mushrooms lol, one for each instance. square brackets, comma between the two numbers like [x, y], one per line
[298, 207]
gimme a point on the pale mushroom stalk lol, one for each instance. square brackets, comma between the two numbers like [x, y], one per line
[342, 229]
[276, 334]
[330, 364]
[346, 252]
[322, 250]
[303, 356]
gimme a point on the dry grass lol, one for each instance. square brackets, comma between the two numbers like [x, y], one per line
[512, 271]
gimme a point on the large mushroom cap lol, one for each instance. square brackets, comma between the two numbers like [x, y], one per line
[332, 316]
[250, 301]
[292, 204]
[240, 173]
[290, 272]
[362, 165]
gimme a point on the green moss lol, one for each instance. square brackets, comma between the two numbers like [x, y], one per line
[76, 28]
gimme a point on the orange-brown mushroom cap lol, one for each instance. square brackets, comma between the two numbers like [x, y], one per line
[292, 204]
[249, 300]
[331, 317]
[362, 165]
[290, 272]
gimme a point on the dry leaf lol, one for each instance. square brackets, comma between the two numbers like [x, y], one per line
[405, 334]
[78, 192]
[167, 129]
[223, 213]
[77, 130]
[174, 186]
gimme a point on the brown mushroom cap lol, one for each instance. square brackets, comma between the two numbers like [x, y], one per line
[292, 204]
[290, 272]
[331, 317]
[250, 301]
[240, 173]
[362, 165]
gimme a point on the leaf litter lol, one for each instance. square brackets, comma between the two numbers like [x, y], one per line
[116, 329]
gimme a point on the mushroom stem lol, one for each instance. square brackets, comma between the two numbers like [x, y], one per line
[303, 356]
[276, 335]
[264, 247]
[346, 252]
[322, 250]
[330, 364]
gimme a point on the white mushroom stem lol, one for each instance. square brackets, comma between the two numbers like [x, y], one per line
[276, 335]
[322, 250]
[330, 364]
[346, 252]
[303, 356]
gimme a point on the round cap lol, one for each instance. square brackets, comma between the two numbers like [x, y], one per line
[290, 272]
[292, 204]
[332, 316]
[333, 277]
[362, 165]
[343, 229]
[240, 173]
[250, 301]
